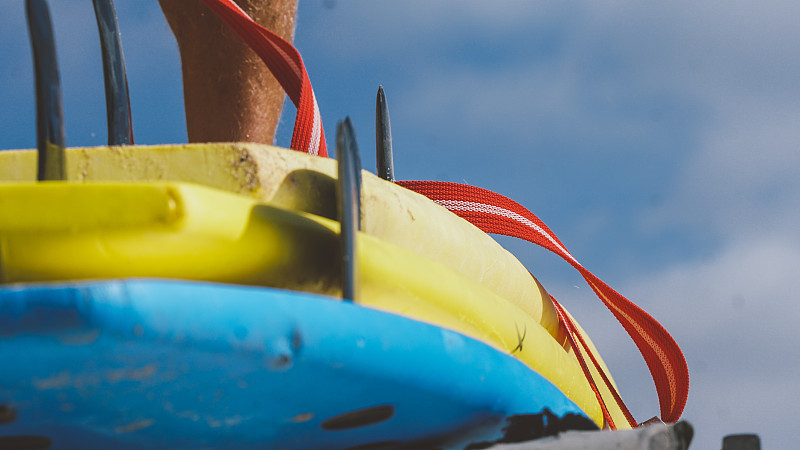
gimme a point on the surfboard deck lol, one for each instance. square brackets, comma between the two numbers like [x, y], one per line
[142, 363]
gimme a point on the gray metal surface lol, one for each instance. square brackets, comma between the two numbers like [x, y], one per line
[651, 437]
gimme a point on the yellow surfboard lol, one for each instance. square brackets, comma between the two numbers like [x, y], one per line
[415, 257]
[301, 182]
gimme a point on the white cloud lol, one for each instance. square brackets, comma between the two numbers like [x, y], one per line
[728, 290]
[736, 317]
[730, 70]
[744, 179]
[737, 62]
[362, 31]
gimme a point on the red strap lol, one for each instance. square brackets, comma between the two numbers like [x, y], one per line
[579, 345]
[494, 213]
[285, 63]
[572, 334]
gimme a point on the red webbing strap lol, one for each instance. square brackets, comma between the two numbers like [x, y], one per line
[571, 335]
[579, 345]
[285, 63]
[494, 213]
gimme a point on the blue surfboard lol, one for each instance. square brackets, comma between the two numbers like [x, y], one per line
[172, 364]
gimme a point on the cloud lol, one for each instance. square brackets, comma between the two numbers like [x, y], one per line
[693, 104]
[743, 180]
[361, 32]
[740, 177]
[735, 316]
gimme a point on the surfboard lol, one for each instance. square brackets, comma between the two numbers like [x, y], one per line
[140, 363]
[108, 230]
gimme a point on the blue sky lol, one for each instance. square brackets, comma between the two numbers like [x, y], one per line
[659, 141]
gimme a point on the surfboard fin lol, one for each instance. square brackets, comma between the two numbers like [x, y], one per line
[349, 197]
[50, 140]
[383, 138]
[118, 104]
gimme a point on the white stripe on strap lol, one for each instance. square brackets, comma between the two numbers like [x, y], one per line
[460, 205]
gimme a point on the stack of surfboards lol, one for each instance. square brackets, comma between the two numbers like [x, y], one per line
[191, 296]
[205, 296]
